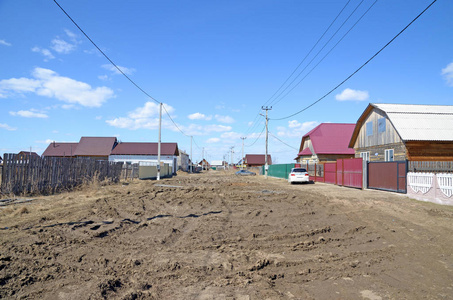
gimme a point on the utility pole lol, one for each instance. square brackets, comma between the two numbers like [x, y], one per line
[158, 146]
[232, 147]
[243, 138]
[266, 166]
[191, 159]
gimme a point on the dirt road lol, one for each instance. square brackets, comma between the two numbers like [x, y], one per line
[218, 236]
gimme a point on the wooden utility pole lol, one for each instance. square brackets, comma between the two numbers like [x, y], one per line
[266, 166]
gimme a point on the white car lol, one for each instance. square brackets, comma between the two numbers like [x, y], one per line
[298, 175]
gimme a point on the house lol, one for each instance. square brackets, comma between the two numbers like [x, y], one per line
[183, 161]
[60, 150]
[257, 160]
[219, 164]
[95, 147]
[398, 132]
[24, 155]
[326, 142]
[146, 152]
[204, 164]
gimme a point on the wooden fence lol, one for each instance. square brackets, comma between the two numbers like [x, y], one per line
[430, 166]
[28, 175]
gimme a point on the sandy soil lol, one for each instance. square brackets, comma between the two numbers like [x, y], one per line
[219, 236]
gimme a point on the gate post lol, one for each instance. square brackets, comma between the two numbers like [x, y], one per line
[364, 174]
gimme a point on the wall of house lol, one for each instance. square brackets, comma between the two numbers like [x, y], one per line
[429, 151]
[376, 135]
[135, 159]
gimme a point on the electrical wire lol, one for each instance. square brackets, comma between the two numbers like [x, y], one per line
[105, 55]
[276, 100]
[256, 138]
[356, 71]
[283, 142]
[327, 54]
[314, 46]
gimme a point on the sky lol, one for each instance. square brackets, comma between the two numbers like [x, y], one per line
[214, 65]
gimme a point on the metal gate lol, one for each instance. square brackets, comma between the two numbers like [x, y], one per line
[345, 172]
[387, 176]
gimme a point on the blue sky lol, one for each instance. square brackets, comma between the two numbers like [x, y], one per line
[214, 65]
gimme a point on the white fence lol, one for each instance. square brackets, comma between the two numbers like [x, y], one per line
[432, 187]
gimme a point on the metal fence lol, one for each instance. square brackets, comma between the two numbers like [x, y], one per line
[28, 175]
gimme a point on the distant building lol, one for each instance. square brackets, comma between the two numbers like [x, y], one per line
[146, 152]
[183, 161]
[257, 160]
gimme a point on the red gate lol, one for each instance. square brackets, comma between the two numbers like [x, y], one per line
[388, 176]
[330, 173]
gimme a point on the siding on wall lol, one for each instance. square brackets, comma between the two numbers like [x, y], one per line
[389, 136]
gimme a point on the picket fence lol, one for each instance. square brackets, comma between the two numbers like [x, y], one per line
[29, 175]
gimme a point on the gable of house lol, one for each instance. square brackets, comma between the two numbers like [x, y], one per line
[412, 131]
[328, 139]
[95, 146]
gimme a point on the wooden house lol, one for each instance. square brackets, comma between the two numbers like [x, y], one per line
[397, 132]
[257, 160]
[326, 142]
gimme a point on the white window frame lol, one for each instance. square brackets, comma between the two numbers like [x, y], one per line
[365, 156]
[388, 156]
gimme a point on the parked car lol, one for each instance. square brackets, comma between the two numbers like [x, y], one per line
[298, 175]
[245, 173]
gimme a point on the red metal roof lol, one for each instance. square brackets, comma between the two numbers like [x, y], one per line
[306, 151]
[257, 159]
[145, 149]
[95, 146]
[60, 149]
[330, 138]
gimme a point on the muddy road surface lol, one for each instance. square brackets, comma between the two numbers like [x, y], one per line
[219, 236]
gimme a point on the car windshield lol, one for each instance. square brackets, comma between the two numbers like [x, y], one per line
[298, 170]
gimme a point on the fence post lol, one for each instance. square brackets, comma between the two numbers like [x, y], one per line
[364, 174]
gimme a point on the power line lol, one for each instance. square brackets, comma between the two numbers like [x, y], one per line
[276, 100]
[283, 141]
[256, 138]
[309, 52]
[356, 71]
[105, 55]
[174, 123]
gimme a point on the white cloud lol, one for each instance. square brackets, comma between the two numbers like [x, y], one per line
[28, 114]
[7, 127]
[146, 117]
[49, 84]
[110, 67]
[224, 119]
[98, 118]
[103, 77]
[212, 140]
[231, 135]
[46, 142]
[62, 47]
[350, 94]
[199, 116]
[46, 52]
[5, 43]
[447, 72]
[296, 129]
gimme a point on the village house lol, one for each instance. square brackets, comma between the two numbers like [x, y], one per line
[326, 142]
[399, 132]
[132, 153]
[257, 160]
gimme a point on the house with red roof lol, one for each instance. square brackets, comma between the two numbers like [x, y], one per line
[257, 160]
[132, 153]
[95, 147]
[326, 142]
[60, 150]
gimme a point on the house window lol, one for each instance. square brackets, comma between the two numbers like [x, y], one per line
[389, 155]
[369, 128]
[365, 156]
[381, 125]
